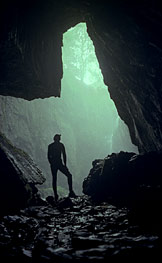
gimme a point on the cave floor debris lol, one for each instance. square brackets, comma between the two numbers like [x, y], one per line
[75, 231]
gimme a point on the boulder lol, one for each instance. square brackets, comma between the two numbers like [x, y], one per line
[128, 179]
[18, 176]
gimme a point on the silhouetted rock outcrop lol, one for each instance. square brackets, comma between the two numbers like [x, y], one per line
[127, 179]
[18, 177]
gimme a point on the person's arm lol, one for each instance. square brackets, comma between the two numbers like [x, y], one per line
[64, 154]
[49, 155]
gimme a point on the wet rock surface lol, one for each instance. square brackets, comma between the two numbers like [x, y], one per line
[75, 230]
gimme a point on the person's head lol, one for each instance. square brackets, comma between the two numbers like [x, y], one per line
[57, 137]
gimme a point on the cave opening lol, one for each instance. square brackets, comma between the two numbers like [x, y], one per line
[94, 124]
[85, 115]
[119, 214]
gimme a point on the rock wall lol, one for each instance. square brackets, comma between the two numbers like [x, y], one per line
[18, 176]
[130, 54]
[126, 36]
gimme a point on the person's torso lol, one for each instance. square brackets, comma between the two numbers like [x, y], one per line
[55, 150]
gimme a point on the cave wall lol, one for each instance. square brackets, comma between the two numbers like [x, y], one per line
[126, 36]
[129, 52]
[18, 175]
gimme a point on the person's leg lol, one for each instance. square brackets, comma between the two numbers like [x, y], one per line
[65, 171]
[54, 181]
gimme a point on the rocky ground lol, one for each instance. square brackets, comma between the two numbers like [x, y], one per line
[76, 230]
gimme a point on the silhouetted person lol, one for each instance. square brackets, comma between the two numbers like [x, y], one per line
[55, 152]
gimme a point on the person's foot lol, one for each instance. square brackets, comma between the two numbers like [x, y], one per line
[56, 197]
[72, 194]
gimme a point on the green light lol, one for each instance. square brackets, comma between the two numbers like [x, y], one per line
[92, 114]
[79, 54]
